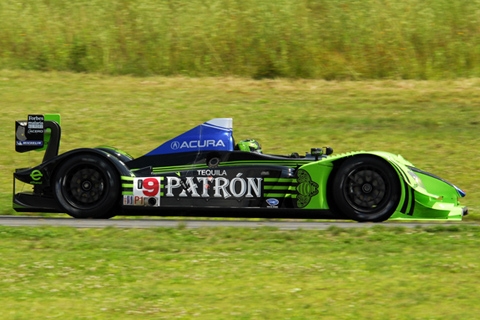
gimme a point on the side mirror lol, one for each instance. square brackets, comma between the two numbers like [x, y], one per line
[317, 152]
[328, 151]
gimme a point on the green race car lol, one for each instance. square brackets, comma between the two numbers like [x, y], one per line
[203, 172]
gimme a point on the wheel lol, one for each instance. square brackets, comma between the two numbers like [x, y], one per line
[87, 186]
[366, 189]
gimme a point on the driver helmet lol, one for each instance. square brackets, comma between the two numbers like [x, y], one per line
[249, 145]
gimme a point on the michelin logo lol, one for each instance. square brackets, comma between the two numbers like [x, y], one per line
[30, 143]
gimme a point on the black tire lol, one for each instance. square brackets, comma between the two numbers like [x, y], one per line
[87, 186]
[366, 189]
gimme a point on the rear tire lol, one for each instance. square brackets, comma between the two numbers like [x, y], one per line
[366, 189]
[87, 186]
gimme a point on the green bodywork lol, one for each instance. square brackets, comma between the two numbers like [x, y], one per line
[46, 136]
[423, 196]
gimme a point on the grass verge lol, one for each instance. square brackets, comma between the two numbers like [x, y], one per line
[236, 273]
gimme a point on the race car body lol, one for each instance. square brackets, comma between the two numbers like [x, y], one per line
[201, 173]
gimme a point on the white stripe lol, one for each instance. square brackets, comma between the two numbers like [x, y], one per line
[220, 123]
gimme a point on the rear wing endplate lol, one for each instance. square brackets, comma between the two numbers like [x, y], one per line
[39, 132]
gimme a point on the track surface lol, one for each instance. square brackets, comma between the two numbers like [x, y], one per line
[23, 221]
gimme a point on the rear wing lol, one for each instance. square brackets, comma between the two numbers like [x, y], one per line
[39, 132]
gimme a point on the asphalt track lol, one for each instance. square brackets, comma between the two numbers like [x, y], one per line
[28, 221]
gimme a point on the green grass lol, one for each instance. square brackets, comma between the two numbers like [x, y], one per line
[339, 39]
[235, 273]
[433, 124]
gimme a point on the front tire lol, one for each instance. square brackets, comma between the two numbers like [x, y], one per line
[366, 189]
[87, 186]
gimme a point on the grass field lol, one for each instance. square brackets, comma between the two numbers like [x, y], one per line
[337, 39]
[235, 273]
[433, 124]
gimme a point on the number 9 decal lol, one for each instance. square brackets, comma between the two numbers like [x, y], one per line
[146, 192]
[151, 187]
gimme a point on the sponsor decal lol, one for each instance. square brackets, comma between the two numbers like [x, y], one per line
[146, 192]
[35, 124]
[194, 144]
[134, 200]
[35, 127]
[218, 187]
[30, 143]
[36, 176]
[272, 203]
[20, 131]
[212, 173]
[29, 134]
[306, 188]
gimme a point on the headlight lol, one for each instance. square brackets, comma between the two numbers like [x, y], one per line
[417, 180]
